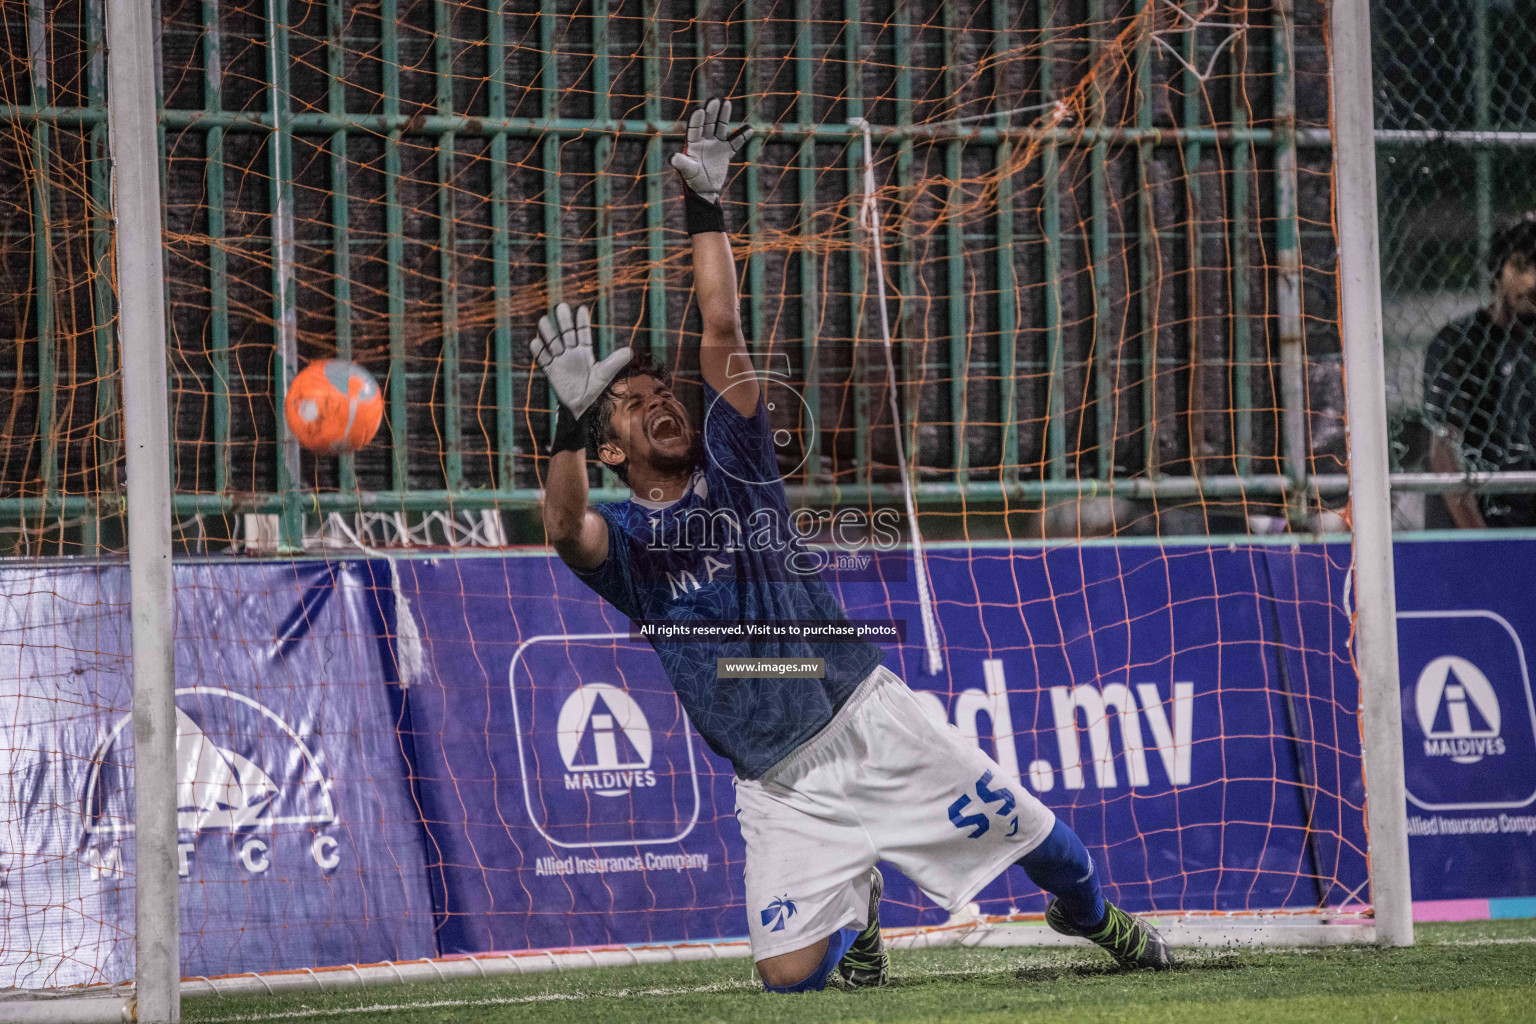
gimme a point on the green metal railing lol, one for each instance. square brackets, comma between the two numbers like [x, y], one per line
[1199, 183]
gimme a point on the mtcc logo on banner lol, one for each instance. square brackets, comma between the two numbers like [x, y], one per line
[1469, 719]
[240, 769]
[605, 752]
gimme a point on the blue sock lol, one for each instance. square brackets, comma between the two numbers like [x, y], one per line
[837, 944]
[1061, 866]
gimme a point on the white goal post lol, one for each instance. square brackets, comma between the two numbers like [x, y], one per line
[1375, 651]
[133, 131]
[136, 209]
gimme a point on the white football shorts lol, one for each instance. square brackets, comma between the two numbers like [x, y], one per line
[881, 782]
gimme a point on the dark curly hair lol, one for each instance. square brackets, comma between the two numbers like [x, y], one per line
[598, 432]
[1517, 237]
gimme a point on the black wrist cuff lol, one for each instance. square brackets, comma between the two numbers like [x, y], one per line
[570, 430]
[701, 215]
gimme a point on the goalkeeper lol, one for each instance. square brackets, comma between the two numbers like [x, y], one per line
[847, 765]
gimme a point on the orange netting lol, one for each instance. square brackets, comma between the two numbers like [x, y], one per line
[1109, 253]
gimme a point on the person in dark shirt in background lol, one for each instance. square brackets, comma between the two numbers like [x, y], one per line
[1480, 389]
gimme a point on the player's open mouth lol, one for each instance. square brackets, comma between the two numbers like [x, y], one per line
[664, 428]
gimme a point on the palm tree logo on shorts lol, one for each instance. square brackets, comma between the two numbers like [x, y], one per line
[777, 912]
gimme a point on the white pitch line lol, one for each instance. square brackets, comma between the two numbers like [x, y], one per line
[548, 997]
[1521, 940]
[1185, 956]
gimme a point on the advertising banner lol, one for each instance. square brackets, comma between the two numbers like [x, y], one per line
[300, 843]
[1138, 692]
[1190, 710]
[1465, 621]
[1466, 625]
[567, 800]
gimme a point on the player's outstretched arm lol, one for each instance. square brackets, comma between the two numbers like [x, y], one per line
[704, 165]
[563, 350]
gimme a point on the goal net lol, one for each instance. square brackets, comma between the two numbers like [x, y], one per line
[1098, 249]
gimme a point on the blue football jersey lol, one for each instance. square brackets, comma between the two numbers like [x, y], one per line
[726, 552]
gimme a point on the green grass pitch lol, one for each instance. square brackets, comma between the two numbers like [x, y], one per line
[1481, 973]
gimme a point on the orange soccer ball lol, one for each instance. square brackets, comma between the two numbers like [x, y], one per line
[334, 407]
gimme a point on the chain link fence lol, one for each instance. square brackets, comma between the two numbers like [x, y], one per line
[1456, 162]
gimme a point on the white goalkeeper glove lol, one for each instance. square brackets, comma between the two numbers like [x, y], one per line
[563, 350]
[706, 157]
